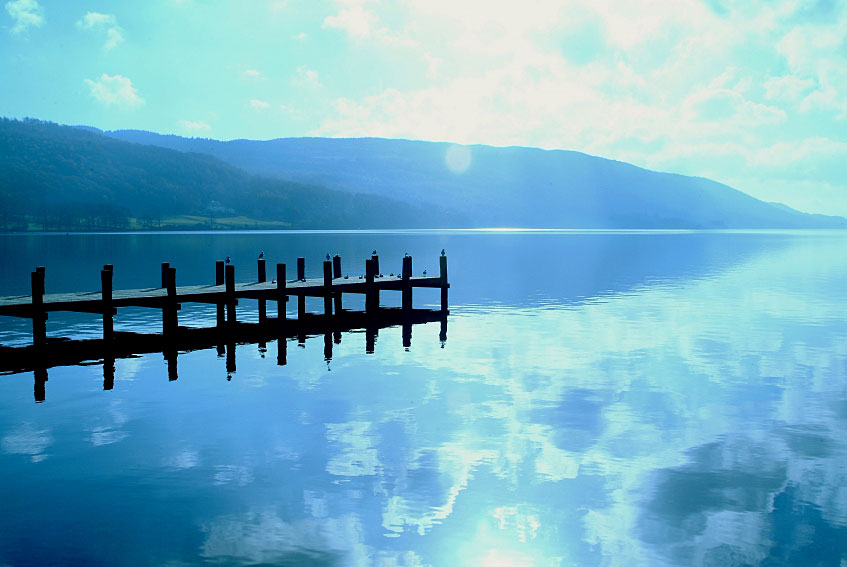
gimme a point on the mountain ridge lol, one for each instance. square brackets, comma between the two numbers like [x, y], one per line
[503, 186]
[69, 178]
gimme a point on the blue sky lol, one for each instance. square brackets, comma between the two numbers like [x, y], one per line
[752, 94]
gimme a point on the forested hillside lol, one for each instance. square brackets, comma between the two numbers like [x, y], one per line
[65, 178]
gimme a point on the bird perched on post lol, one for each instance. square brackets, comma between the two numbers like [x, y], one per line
[373, 253]
[227, 260]
[261, 254]
[424, 272]
[443, 253]
[328, 258]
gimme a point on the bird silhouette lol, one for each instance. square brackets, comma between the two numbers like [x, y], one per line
[443, 253]
[227, 260]
[261, 254]
[374, 252]
[424, 272]
[327, 256]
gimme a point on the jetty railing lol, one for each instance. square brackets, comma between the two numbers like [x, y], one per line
[224, 293]
[228, 331]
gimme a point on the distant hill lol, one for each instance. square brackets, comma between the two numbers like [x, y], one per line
[70, 178]
[514, 186]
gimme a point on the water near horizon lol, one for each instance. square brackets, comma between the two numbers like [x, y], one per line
[602, 398]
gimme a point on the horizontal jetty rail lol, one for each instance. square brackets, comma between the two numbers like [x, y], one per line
[225, 293]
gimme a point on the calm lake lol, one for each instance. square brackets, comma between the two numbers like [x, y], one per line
[602, 398]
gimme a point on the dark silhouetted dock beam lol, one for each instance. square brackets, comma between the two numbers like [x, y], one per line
[229, 276]
[219, 280]
[444, 285]
[262, 278]
[39, 316]
[281, 298]
[336, 274]
[301, 299]
[328, 288]
[108, 310]
[171, 319]
[407, 284]
[371, 292]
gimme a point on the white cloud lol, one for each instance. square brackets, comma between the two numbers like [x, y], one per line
[253, 74]
[302, 36]
[114, 90]
[361, 23]
[258, 104]
[194, 125]
[26, 13]
[357, 21]
[107, 22]
[307, 77]
[789, 88]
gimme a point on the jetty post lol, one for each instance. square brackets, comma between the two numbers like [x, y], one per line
[262, 278]
[229, 276]
[327, 288]
[371, 293]
[108, 309]
[165, 266]
[407, 285]
[171, 321]
[336, 274]
[375, 258]
[444, 285]
[219, 280]
[301, 299]
[281, 298]
[39, 316]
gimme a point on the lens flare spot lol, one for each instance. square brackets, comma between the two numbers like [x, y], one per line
[458, 158]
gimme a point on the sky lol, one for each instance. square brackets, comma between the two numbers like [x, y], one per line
[749, 93]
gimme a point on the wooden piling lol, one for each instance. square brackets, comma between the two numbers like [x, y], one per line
[327, 288]
[219, 280]
[165, 266]
[301, 299]
[229, 276]
[336, 274]
[407, 284]
[39, 316]
[371, 293]
[262, 278]
[375, 258]
[444, 285]
[108, 310]
[281, 298]
[171, 320]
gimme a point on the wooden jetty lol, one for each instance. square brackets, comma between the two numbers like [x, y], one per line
[224, 293]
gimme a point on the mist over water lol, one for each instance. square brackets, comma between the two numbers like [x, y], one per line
[603, 398]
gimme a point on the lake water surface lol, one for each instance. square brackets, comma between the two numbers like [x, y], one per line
[602, 398]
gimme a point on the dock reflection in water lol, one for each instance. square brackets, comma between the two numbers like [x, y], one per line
[127, 345]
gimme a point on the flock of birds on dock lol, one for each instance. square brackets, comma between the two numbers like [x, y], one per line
[228, 260]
